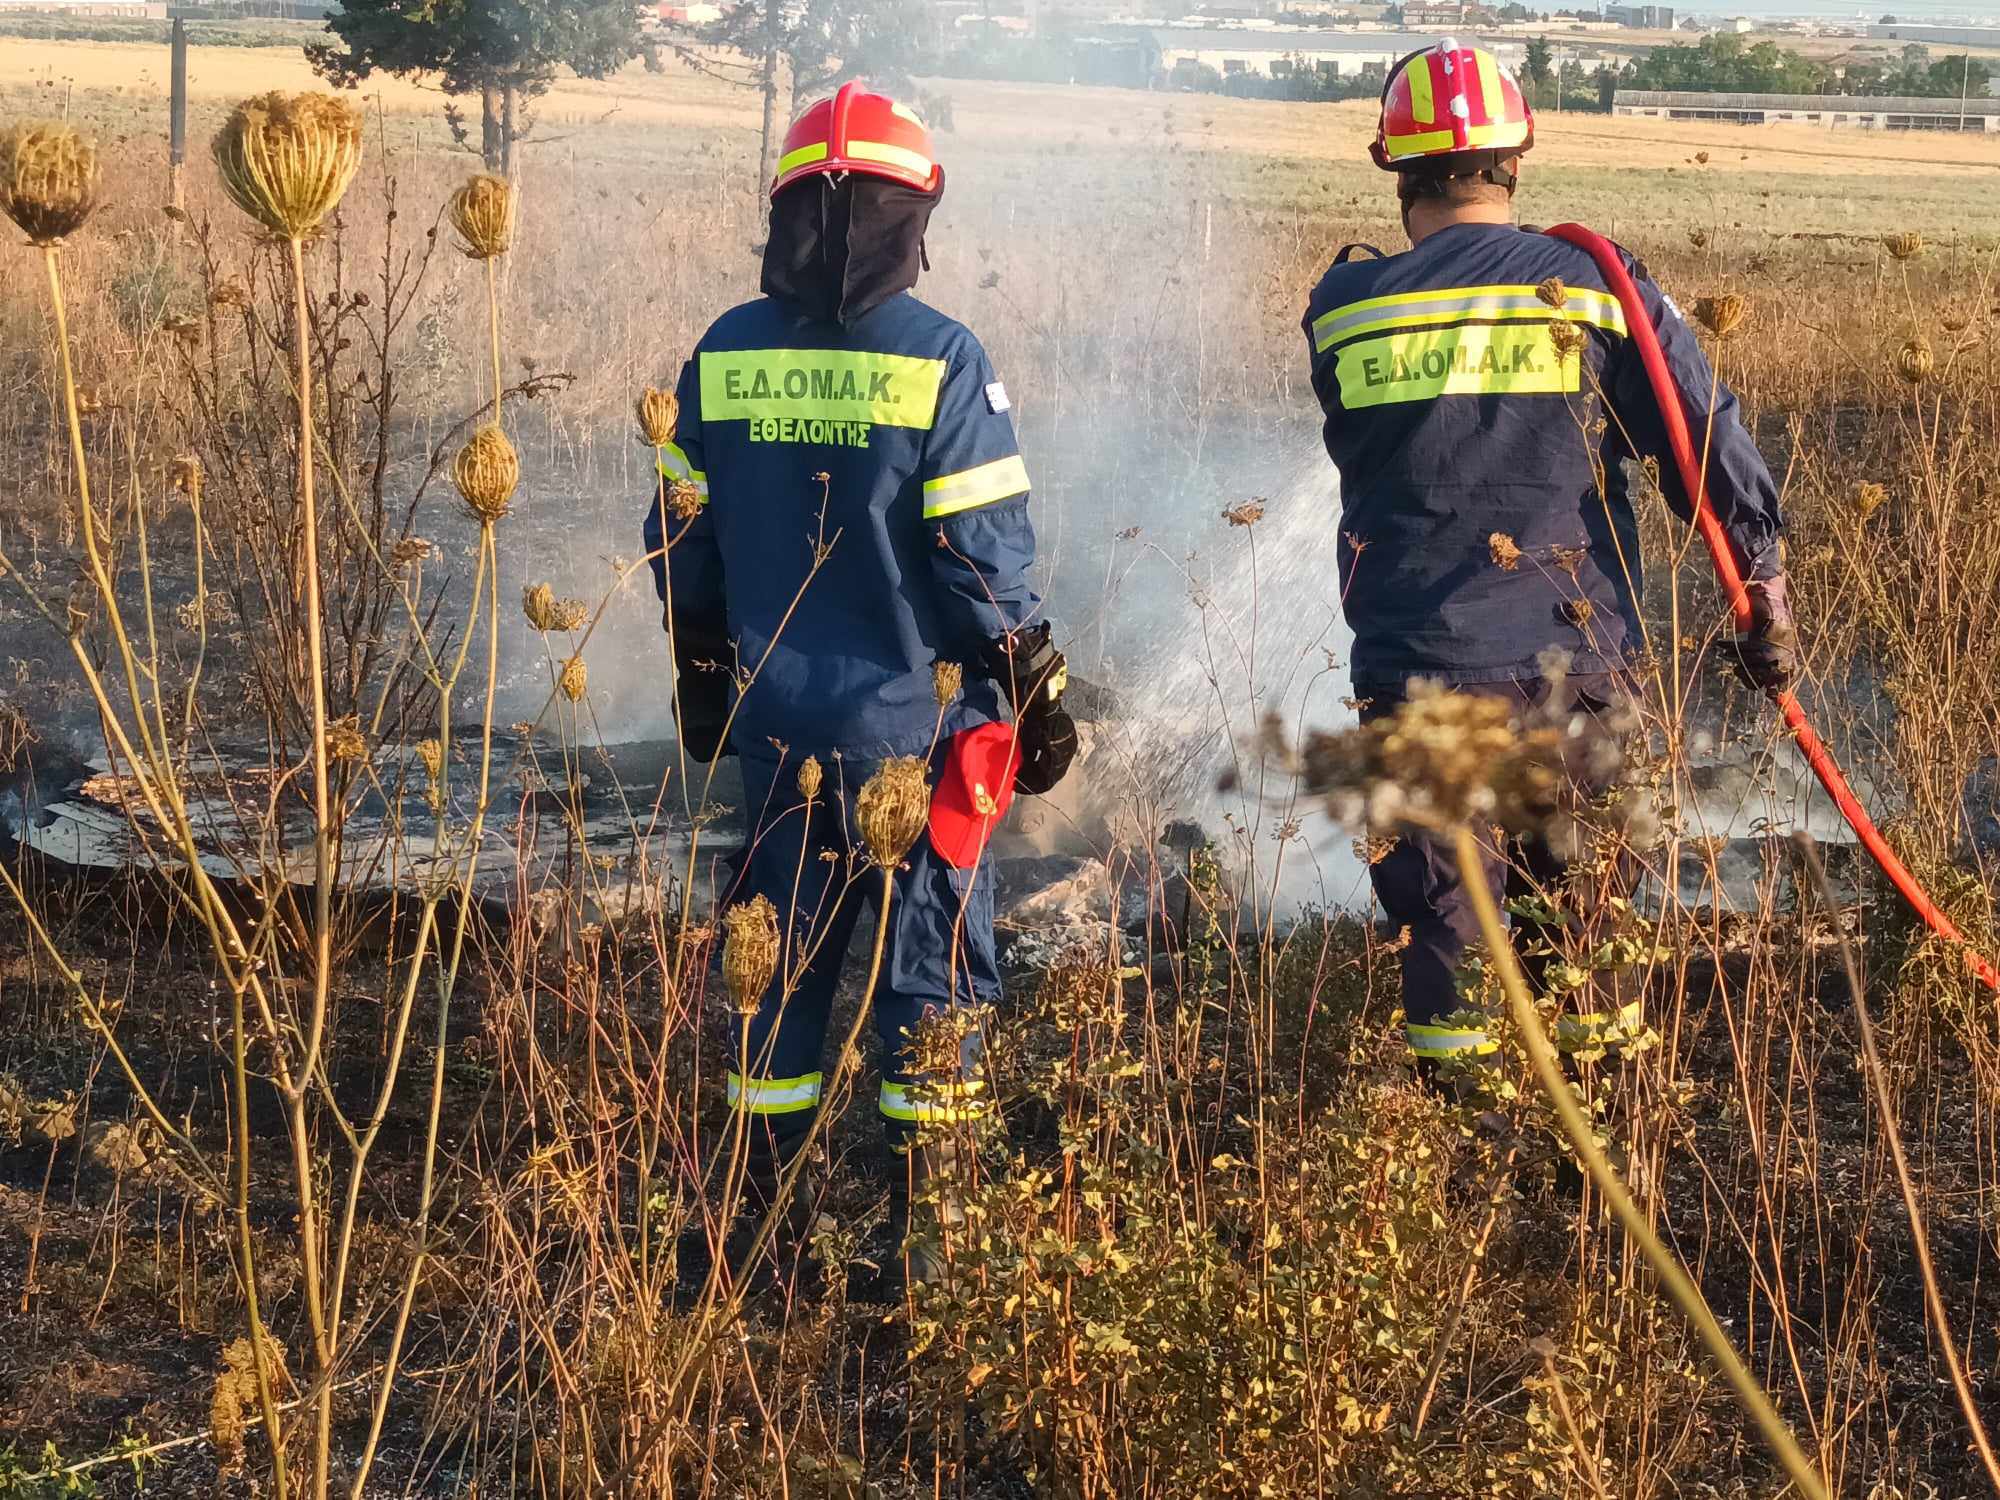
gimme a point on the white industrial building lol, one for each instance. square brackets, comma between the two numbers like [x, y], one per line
[1849, 111]
[1274, 50]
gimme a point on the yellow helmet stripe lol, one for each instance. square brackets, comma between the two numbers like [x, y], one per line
[1423, 107]
[1489, 84]
[890, 156]
[803, 157]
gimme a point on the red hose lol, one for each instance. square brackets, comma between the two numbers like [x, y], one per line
[1640, 324]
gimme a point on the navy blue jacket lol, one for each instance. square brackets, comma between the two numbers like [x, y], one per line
[1459, 432]
[866, 515]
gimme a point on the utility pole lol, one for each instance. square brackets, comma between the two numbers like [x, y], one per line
[1964, 86]
[177, 116]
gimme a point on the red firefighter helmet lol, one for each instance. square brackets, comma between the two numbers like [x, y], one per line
[859, 131]
[1451, 109]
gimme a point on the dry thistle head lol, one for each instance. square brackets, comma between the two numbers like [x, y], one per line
[1914, 361]
[189, 476]
[810, 776]
[575, 680]
[749, 951]
[1565, 338]
[1553, 292]
[411, 549]
[345, 741]
[1722, 315]
[1505, 551]
[683, 499]
[567, 614]
[1869, 498]
[947, 677]
[1905, 245]
[893, 807]
[659, 414]
[286, 159]
[486, 471]
[1248, 513]
[538, 603]
[49, 177]
[482, 211]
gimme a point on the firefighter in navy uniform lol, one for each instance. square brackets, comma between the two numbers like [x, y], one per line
[1486, 515]
[846, 508]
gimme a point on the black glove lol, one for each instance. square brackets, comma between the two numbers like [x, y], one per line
[702, 692]
[1033, 674]
[1767, 658]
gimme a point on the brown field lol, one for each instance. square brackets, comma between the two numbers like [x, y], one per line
[1220, 1242]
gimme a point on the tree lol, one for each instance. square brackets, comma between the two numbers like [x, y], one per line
[819, 43]
[506, 51]
[1539, 66]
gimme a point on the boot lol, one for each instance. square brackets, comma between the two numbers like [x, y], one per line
[784, 1263]
[922, 1256]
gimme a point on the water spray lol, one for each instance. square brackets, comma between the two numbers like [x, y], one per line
[1619, 281]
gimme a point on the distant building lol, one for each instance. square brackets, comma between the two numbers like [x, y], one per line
[1641, 17]
[1741, 25]
[1447, 14]
[1277, 52]
[1947, 36]
[1850, 111]
[131, 10]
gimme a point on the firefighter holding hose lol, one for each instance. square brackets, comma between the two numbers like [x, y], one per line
[1483, 394]
[842, 542]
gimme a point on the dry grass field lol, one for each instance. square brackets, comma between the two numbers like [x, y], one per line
[1218, 1241]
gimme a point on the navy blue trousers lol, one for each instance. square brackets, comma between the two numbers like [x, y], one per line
[938, 953]
[1421, 888]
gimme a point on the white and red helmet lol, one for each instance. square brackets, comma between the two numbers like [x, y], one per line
[1451, 109]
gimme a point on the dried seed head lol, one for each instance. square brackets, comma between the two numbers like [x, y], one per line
[1905, 245]
[749, 951]
[49, 177]
[947, 677]
[659, 415]
[1870, 498]
[486, 471]
[482, 211]
[1553, 292]
[1565, 338]
[1248, 513]
[411, 549]
[893, 807]
[1722, 315]
[432, 756]
[1914, 361]
[538, 603]
[1506, 554]
[344, 740]
[684, 500]
[810, 776]
[575, 681]
[189, 476]
[1954, 319]
[286, 159]
[569, 613]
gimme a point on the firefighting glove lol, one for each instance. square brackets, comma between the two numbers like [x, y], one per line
[1767, 657]
[701, 687]
[1033, 674]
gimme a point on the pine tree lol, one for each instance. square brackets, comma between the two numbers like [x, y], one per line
[506, 51]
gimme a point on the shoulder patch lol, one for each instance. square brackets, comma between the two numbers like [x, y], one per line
[996, 398]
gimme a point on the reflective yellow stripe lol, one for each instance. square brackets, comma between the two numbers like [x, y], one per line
[1423, 107]
[1600, 1028]
[774, 1096]
[945, 1102]
[835, 385]
[890, 156]
[1489, 84]
[1448, 1041]
[1416, 309]
[674, 463]
[1422, 142]
[948, 494]
[804, 156]
[1469, 360]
